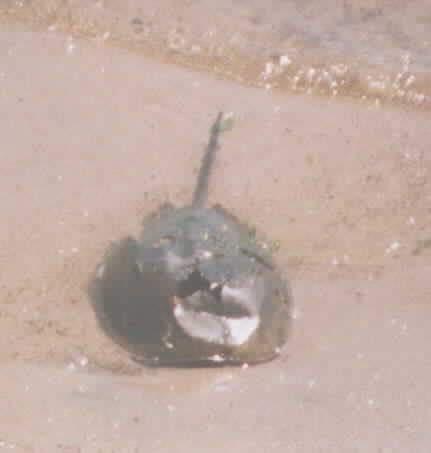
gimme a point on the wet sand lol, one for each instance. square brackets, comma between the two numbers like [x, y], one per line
[360, 49]
[93, 139]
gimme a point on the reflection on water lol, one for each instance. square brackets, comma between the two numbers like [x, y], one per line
[369, 50]
[159, 381]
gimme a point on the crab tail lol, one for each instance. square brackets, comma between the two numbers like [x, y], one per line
[201, 191]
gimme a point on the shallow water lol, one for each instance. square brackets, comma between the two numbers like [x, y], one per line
[378, 52]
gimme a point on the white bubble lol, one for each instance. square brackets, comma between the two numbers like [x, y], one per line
[410, 80]
[285, 60]
[216, 358]
[70, 46]
[82, 361]
[394, 245]
[269, 69]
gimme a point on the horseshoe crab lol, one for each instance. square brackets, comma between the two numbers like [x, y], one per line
[196, 289]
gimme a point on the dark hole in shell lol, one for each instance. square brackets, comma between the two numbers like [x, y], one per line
[196, 282]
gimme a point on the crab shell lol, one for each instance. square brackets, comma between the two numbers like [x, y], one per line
[196, 289]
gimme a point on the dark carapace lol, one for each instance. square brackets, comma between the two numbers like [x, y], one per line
[196, 288]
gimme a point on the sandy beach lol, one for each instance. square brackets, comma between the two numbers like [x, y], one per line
[94, 137]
